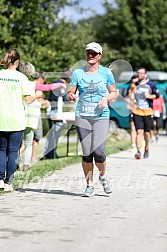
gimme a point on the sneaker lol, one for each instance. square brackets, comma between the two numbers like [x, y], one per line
[106, 184]
[146, 154]
[17, 167]
[138, 155]
[89, 192]
[25, 168]
[156, 138]
[8, 188]
[45, 158]
[1, 184]
[152, 140]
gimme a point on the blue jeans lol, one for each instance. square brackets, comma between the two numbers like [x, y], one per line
[9, 151]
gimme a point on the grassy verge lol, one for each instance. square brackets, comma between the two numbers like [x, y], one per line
[47, 167]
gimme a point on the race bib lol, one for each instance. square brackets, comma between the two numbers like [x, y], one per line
[89, 109]
[143, 104]
[156, 113]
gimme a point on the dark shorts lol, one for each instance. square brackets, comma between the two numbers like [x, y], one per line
[143, 122]
[131, 118]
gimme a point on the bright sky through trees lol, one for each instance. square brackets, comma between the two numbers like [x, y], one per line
[89, 8]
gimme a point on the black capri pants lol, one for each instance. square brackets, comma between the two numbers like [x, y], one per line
[157, 121]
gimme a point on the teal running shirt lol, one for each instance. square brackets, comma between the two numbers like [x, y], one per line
[91, 88]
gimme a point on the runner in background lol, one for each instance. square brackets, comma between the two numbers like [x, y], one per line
[158, 108]
[131, 97]
[145, 93]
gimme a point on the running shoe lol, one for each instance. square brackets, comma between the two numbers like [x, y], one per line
[146, 154]
[8, 188]
[106, 184]
[157, 138]
[25, 168]
[89, 191]
[138, 155]
[1, 184]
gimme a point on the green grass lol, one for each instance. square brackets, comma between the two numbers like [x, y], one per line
[112, 148]
[47, 167]
[41, 169]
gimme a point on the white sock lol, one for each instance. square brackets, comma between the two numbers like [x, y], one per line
[91, 184]
[102, 177]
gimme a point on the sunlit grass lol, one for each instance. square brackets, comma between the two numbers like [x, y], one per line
[46, 167]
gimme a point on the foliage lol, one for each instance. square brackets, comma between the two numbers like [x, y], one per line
[132, 30]
[33, 27]
[136, 30]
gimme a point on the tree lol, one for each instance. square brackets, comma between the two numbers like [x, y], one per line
[137, 30]
[34, 28]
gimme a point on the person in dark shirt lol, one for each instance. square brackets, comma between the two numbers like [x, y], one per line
[145, 92]
[55, 128]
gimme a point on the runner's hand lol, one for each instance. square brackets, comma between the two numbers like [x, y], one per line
[39, 94]
[72, 97]
[164, 116]
[63, 86]
[147, 95]
[103, 103]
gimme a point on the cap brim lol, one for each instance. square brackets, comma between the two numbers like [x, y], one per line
[92, 49]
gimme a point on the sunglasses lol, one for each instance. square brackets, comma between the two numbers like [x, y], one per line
[92, 53]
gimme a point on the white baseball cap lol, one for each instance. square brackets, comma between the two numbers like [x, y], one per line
[94, 47]
[27, 68]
